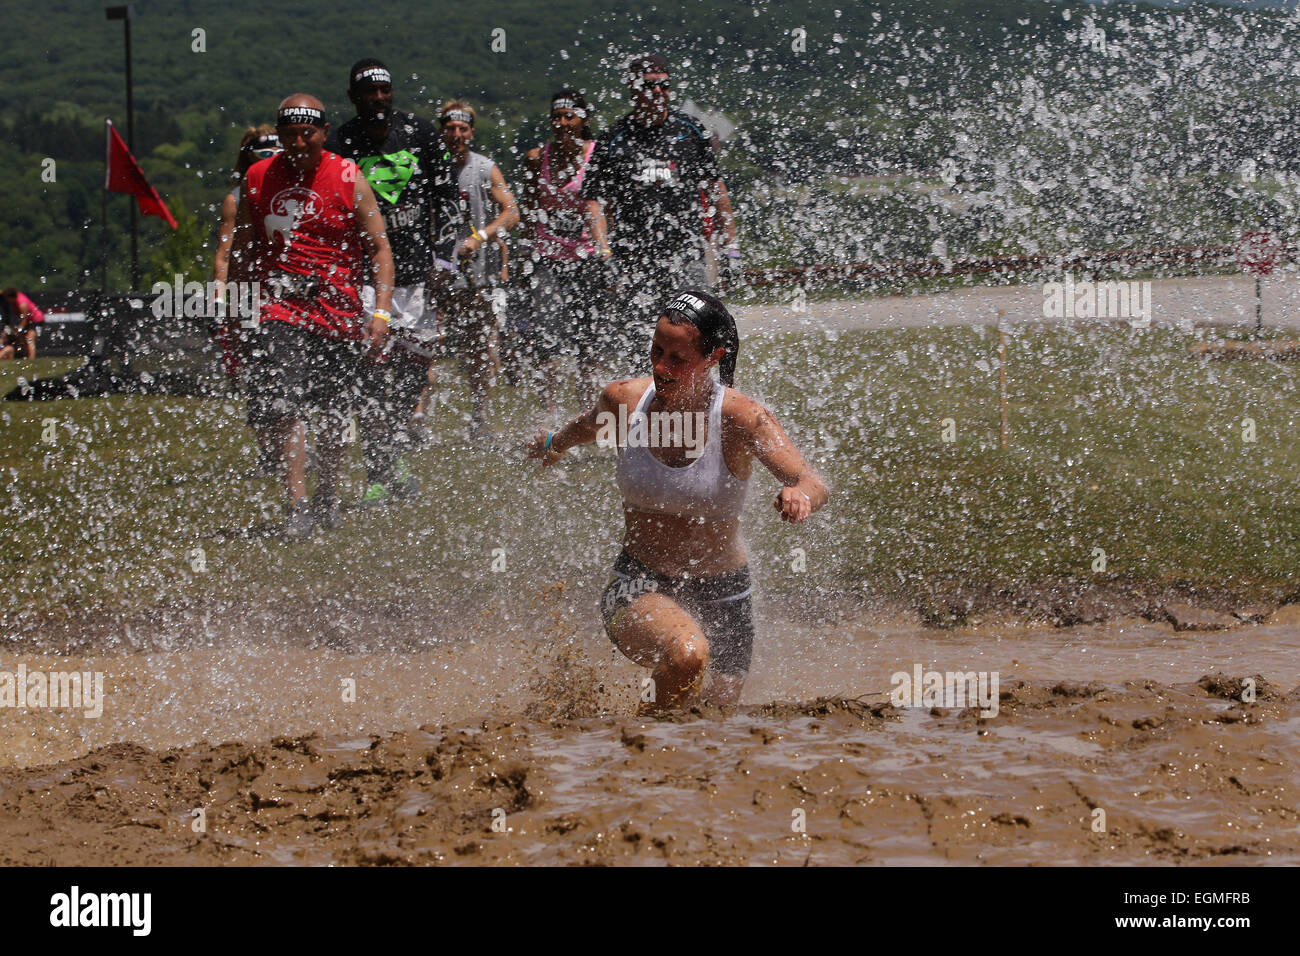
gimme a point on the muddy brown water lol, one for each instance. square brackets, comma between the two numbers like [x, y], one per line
[1108, 747]
[240, 741]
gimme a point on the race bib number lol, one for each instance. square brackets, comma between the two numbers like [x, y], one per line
[566, 222]
[656, 172]
[628, 591]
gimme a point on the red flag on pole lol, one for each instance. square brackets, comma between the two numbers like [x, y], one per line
[123, 175]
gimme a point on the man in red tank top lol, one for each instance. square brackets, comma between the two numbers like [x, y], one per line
[306, 223]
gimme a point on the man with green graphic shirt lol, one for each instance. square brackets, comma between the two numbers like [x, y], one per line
[414, 182]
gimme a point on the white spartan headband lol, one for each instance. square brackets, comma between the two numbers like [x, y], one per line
[374, 74]
[565, 103]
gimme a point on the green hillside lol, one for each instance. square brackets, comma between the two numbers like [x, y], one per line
[989, 125]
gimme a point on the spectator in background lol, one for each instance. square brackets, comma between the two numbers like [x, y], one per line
[646, 176]
[563, 295]
[470, 327]
[258, 142]
[20, 320]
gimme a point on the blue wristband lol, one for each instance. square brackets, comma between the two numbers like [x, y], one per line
[549, 437]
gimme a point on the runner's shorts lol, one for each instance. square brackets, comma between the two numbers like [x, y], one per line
[469, 322]
[298, 374]
[720, 604]
[392, 388]
[414, 326]
[562, 310]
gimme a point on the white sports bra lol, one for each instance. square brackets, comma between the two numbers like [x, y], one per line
[705, 488]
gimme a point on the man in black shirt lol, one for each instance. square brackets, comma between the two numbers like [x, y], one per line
[654, 170]
[414, 181]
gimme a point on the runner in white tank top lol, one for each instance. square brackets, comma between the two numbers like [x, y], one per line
[469, 332]
[704, 489]
[678, 601]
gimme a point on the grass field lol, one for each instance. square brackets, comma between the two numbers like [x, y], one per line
[1119, 441]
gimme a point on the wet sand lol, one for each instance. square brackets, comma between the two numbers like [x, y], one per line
[1130, 718]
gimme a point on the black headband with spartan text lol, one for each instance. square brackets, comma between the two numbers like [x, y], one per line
[373, 74]
[688, 305]
[300, 115]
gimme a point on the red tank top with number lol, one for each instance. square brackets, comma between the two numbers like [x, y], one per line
[309, 251]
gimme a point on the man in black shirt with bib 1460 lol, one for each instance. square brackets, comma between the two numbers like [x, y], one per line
[414, 181]
[654, 170]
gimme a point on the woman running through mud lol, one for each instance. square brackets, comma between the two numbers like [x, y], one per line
[679, 598]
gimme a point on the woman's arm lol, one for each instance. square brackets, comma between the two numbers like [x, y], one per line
[509, 215]
[581, 431]
[225, 237]
[598, 224]
[804, 490]
[243, 242]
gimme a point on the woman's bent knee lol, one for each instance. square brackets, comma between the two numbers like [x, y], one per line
[688, 653]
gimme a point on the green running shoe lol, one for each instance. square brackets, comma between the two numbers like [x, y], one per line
[376, 496]
[405, 484]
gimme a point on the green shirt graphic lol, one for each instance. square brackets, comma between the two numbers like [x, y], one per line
[389, 174]
[414, 182]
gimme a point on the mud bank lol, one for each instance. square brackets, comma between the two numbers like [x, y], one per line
[1182, 773]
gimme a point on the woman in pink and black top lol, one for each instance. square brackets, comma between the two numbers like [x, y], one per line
[560, 276]
[21, 317]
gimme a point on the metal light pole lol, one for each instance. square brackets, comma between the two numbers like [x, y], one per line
[125, 14]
